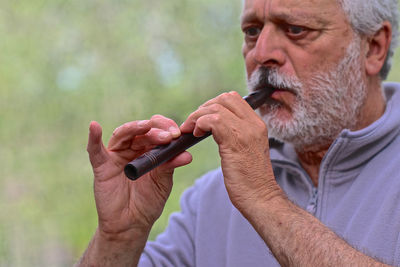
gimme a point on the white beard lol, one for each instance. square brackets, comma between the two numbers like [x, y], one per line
[327, 104]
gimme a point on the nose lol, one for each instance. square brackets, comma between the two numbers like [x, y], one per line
[269, 51]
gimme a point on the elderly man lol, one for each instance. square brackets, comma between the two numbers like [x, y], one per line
[324, 192]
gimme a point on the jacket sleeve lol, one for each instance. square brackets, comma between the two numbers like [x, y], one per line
[175, 246]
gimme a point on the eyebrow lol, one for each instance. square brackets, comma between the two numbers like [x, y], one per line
[295, 17]
[248, 16]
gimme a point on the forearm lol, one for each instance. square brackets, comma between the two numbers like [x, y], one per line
[296, 238]
[105, 250]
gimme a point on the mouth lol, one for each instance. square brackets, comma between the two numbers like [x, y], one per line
[280, 97]
[276, 90]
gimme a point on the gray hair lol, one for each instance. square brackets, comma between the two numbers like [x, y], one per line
[366, 18]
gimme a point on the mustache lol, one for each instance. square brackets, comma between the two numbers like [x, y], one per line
[265, 77]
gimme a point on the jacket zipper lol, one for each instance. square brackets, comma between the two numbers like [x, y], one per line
[313, 201]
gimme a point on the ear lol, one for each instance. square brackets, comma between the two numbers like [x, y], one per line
[377, 49]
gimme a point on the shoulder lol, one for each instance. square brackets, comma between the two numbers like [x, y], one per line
[391, 91]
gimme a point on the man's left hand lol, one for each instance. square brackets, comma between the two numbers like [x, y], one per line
[242, 138]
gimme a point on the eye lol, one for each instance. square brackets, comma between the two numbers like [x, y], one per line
[296, 31]
[252, 31]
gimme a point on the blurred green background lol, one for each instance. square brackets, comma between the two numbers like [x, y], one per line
[65, 63]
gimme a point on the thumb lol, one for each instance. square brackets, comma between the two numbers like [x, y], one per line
[95, 147]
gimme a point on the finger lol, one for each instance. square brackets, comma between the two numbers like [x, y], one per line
[140, 144]
[144, 142]
[182, 159]
[223, 125]
[233, 102]
[97, 153]
[205, 124]
[226, 128]
[216, 124]
[190, 124]
[166, 124]
[152, 138]
[123, 135]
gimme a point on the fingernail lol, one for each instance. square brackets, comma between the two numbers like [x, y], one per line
[142, 123]
[174, 131]
[164, 135]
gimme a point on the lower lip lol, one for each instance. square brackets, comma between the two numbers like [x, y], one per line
[277, 93]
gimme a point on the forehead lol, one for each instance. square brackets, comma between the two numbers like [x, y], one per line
[317, 10]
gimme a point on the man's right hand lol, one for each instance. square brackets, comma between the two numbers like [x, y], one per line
[124, 206]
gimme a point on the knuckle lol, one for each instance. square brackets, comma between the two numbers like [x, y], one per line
[260, 130]
[122, 127]
[215, 108]
[224, 96]
[157, 117]
[153, 133]
[234, 93]
[200, 122]
[170, 121]
[216, 118]
[161, 121]
[192, 117]
[261, 124]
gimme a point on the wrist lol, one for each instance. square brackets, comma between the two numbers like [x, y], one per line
[268, 195]
[265, 203]
[111, 249]
[126, 236]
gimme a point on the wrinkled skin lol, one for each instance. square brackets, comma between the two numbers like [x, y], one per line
[242, 138]
[122, 204]
[298, 37]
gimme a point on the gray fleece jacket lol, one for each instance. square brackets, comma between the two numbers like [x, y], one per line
[358, 197]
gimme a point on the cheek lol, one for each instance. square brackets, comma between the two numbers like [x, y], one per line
[306, 63]
[249, 62]
[323, 58]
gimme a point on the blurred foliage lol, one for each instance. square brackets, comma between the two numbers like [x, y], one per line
[65, 63]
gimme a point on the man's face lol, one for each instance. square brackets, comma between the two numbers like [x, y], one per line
[304, 46]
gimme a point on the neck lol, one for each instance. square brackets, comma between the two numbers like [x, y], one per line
[374, 106]
[310, 157]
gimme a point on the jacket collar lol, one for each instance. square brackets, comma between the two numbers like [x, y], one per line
[352, 149]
